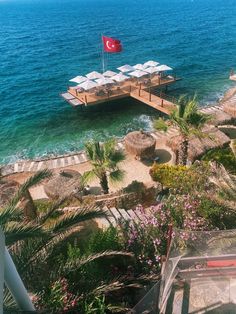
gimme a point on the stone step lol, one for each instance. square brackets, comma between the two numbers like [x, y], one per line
[115, 213]
[111, 219]
[124, 214]
[133, 215]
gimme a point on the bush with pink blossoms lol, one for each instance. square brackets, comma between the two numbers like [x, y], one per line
[57, 298]
[147, 239]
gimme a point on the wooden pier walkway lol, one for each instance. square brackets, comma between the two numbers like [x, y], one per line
[153, 101]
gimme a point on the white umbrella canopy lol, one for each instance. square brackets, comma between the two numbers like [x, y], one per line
[109, 73]
[151, 63]
[78, 79]
[120, 77]
[163, 67]
[104, 81]
[151, 70]
[126, 68]
[94, 75]
[138, 73]
[139, 66]
[88, 85]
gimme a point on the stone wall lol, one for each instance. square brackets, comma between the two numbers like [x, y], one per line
[130, 200]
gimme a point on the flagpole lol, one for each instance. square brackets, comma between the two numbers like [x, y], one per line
[103, 61]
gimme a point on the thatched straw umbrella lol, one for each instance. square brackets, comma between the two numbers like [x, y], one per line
[63, 184]
[8, 189]
[219, 117]
[230, 108]
[140, 144]
[197, 147]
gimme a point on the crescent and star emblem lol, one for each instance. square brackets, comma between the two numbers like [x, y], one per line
[108, 45]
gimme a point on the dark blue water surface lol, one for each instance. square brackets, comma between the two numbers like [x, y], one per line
[44, 43]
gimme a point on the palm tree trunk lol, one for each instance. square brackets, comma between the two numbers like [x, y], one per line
[183, 154]
[104, 183]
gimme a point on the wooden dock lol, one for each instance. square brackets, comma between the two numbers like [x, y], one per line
[131, 88]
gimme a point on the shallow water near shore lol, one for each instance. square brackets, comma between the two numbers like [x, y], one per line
[45, 43]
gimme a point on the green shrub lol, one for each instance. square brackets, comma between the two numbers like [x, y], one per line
[134, 186]
[225, 156]
[183, 179]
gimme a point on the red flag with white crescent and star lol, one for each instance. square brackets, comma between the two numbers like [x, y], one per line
[111, 44]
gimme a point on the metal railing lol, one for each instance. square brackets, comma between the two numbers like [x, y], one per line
[10, 277]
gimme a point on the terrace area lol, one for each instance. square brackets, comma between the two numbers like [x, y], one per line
[140, 82]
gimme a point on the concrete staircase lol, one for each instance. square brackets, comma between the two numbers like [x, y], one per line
[115, 216]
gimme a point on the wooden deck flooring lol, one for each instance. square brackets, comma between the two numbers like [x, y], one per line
[130, 88]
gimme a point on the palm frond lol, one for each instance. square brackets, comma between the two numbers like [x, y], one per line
[9, 213]
[160, 124]
[56, 205]
[73, 219]
[117, 175]
[21, 231]
[76, 264]
[88, 176]
[32, 181]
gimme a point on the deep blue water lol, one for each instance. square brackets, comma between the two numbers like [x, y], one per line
[44, 43]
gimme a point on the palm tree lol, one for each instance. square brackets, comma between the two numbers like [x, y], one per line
[104, 159]
[188, 119]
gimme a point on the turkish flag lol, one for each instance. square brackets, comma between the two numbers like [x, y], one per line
[111, 44]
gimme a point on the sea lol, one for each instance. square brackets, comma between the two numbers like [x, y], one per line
[45, 43]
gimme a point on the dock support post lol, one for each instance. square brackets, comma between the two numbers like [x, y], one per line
[86, 102]
[130, 88]
[139, 91]
[162, 103]
[76, 92]
[159, 80]
[166, 88]
[150, 95]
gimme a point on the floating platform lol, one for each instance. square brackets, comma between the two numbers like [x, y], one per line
[143, 91]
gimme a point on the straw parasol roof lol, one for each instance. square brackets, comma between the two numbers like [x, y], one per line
[230, 109]
[219, 117]
[197, 147]
[7, 190]
[140, 144]
[63, 184]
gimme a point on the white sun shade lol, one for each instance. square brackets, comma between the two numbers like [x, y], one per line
[109, 73]
[104, 81]
[139, 66]
[163, 67]
[78, 79]
[119, 77]
[88, 85]
[138, 73]
[94, 75]
[151, 70]
[125, 68]
[151, 63]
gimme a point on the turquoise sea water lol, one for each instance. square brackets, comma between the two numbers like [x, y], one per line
[44, 43]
